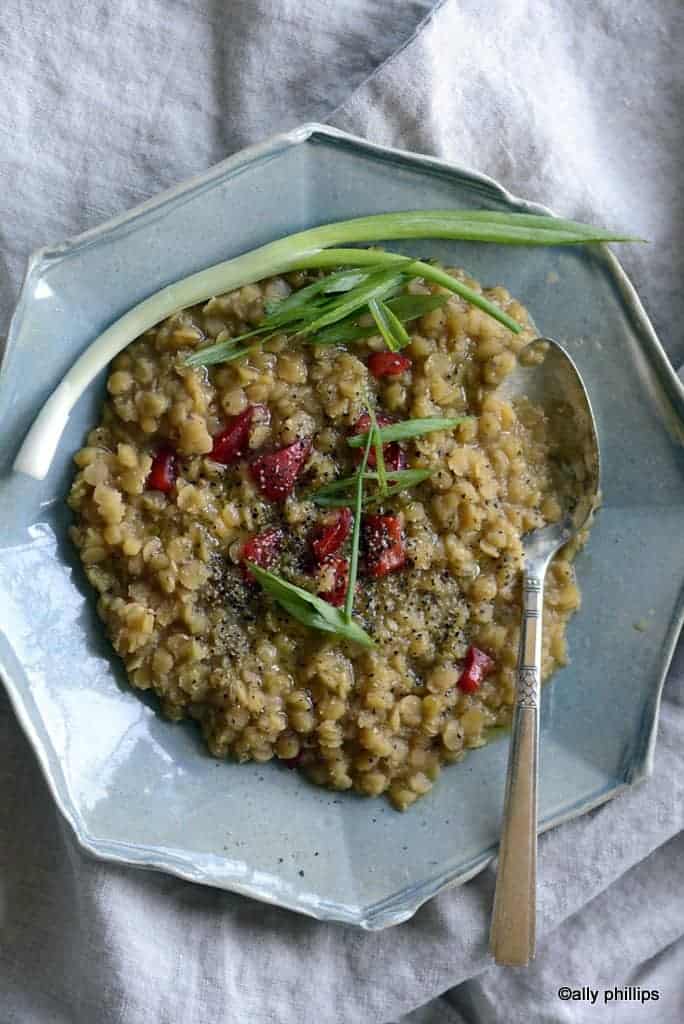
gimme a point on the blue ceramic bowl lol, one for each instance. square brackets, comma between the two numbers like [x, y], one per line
[139, 790]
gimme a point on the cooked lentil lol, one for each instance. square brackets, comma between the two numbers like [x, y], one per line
[184, 616]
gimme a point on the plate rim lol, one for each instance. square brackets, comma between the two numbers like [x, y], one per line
[400, 906]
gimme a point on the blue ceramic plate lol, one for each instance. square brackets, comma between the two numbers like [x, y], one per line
[139, 790]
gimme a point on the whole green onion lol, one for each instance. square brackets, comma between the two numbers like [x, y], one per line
[305, 249]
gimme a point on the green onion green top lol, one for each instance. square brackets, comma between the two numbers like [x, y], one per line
[410, 428]
[309, 609]
[356, 533]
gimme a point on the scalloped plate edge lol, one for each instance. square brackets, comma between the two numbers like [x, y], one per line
[403, 906]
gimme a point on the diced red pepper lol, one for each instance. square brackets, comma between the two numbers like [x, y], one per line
[275, 474]
[388, 364]
[478, 665]
[395, 456]
[231, 443]
[331, 534]
[162, 475]
[340, 570]
[384, 544]
[262, 550]
[393, 453]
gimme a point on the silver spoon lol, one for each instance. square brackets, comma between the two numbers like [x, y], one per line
[556, 386]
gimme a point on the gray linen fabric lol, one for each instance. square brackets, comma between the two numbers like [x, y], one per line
[575, 105]
[103, 105]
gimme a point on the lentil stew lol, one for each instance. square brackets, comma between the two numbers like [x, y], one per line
[193, 472]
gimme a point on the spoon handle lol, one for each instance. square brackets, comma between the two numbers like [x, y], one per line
[512, 937]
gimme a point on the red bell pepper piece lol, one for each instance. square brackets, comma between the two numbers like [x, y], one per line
[262, 550]
[331, 535]
[478, 665]
[384, 544]
[337, 593]
[275, 474]
[230, 444]
[393, 453]
[388, 364]
[162, 475]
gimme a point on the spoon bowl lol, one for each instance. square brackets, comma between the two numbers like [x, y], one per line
[547, 376]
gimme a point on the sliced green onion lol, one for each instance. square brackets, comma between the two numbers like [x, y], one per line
[342, 334]
[356, 534]
[410, 428]
[240, 353]
[381, 285]
[380, 460]
[377, 444]
[223, 352]
[389, 326]
[404, 307]
[339, 486]
[432, 273]
[308, 608]
[396, 488]
[346, 280]
[410, 307]
[305, 308]
[412, 478]
[220, 351]
[345, 483]
[280, 311]
[376, 286]
[284, 310]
